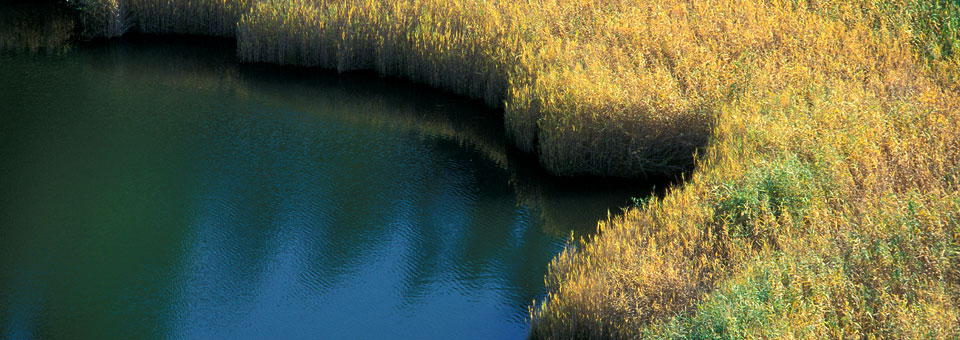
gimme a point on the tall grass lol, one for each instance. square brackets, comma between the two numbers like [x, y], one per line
[113, 18]
[33, 28]
[826, 207]
[825, 138]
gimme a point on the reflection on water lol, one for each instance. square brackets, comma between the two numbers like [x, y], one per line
[160, 190]
[34, 27]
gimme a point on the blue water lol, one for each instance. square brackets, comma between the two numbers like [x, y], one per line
[161, 190]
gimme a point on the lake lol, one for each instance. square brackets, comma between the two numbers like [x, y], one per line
[152, 188]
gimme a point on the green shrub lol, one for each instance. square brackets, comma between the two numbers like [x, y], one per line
[765, 196]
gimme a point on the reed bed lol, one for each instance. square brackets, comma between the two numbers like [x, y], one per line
[583, 101]
[113, 18]
[825, 138]
[827, 205]
[29, 28]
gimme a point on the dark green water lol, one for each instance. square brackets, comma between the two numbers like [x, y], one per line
[161, 190]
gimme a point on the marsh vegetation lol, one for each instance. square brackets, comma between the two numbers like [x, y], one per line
[823, 139]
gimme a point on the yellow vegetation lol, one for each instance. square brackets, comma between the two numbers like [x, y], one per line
[824, 201]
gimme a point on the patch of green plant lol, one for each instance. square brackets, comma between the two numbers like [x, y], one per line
[751, 306]
[641, 202]
[765, 195]
[937, 28]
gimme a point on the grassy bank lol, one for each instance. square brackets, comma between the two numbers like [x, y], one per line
[825, 199]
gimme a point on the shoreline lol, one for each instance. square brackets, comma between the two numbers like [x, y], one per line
[809, 194]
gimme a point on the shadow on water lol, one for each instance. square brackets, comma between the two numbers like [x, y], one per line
[568, 204]
[157, 188]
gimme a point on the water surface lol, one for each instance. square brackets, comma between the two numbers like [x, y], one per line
[153, 189]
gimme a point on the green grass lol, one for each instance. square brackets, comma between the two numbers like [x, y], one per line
[746, 208]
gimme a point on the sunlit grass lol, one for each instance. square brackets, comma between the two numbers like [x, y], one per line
[824, 201]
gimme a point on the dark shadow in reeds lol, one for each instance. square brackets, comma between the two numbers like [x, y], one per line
[35, 27]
